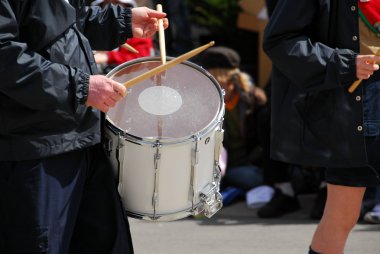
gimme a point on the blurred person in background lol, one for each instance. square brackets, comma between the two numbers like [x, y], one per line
[241, 100]
[373, 216]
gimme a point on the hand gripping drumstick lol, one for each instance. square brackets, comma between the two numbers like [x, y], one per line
[167, 65]
[161, 36]
[354, 85]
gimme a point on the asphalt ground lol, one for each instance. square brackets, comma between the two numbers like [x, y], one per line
[236, 229]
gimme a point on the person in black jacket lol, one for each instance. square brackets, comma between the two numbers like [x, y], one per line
[318, 49]
[281, 175]
[57, 191]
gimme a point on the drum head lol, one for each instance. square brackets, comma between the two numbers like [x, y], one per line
[177, 103]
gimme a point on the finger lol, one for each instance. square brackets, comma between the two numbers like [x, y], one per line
[113, 99]
[116, 97]
[109, 102]
[156, 14]
[165, 23]
[103, 107]
[371, 58]
[369, 67]
[363, 75]
[119, 88]
[366, 76]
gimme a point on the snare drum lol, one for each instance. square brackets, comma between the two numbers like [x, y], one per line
[164, 139]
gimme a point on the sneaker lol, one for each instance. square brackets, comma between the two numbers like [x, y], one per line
[259, 196]
[373, 216]
[319, 204]
[279, 205]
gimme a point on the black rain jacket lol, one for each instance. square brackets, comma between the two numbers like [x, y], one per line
[45, 63]
[313, 46]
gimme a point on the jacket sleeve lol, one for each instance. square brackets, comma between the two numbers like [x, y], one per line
[32, 81]
[309, 64]
[105, 28]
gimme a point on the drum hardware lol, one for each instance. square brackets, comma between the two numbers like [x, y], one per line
[211, 199]
[219, 135]
[157, 158]
[120, 149]
[194, 164]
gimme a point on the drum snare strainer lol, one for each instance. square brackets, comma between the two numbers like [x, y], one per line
[163, 141]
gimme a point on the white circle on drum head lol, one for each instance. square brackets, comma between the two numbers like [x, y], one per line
[160, 100]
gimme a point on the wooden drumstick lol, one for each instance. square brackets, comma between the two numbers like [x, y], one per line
[354, 85]
[168, 65]
[161, 36]
[130, 48]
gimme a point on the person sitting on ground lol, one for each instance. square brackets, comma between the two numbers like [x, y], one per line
[241, 97]
[373, 216]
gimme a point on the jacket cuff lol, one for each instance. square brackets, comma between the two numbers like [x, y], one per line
[348, 73]
[82, 87]
[126, 24]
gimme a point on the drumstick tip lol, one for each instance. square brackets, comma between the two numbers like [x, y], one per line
[130, 48]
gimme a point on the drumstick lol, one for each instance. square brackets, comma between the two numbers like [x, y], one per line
[354, 85]
[168, 65]
[161, 36]
[130, 48]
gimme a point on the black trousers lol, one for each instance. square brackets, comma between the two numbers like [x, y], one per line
[62, 204]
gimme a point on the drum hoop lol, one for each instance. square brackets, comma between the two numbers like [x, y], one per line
[164, 217]
[186, 139]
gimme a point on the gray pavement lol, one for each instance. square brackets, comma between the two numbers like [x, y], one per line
[236, 229]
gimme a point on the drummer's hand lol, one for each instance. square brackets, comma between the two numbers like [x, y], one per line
[145, 21]
[104, 93]
[366, 65]
[101, 57]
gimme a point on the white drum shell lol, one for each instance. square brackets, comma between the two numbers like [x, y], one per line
[185, 167]
[137, 178]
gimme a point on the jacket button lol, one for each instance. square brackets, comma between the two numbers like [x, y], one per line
[354, 38]
[360, 128]
[358, 98]
[353, 8]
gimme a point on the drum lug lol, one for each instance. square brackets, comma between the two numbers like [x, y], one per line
[195, 155]
[217, 173]
[218, 144]
[120, 144]
[157, 159]
[194, 166]
[211, 199]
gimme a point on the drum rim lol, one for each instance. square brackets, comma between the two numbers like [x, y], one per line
[218, 119]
